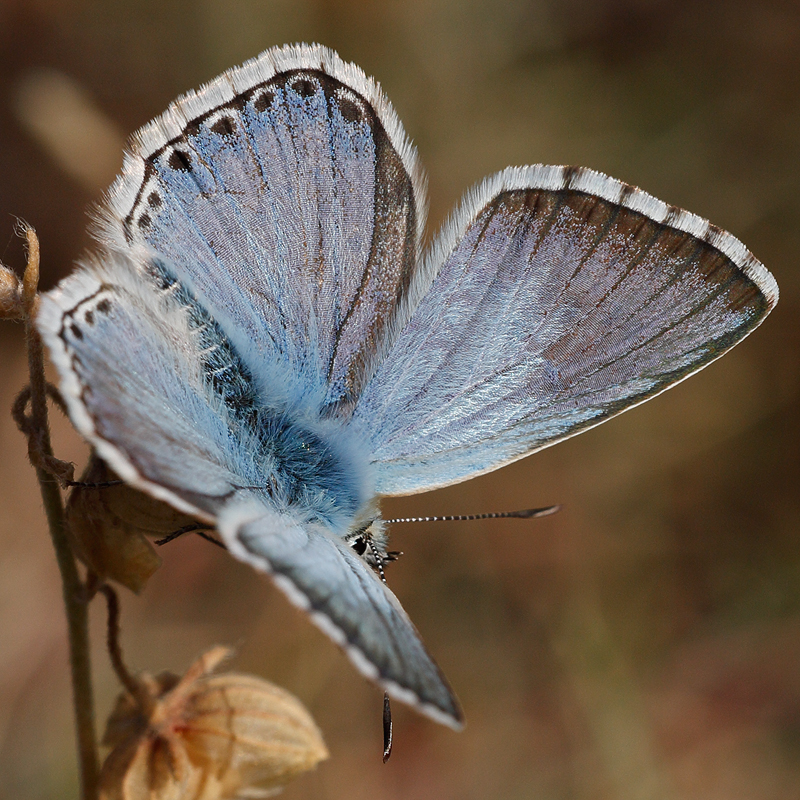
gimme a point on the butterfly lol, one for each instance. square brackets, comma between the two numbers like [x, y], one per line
[261, 343]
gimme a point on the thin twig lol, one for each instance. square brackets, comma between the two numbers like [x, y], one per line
[39, 446]
[114, 648]
[62, 471]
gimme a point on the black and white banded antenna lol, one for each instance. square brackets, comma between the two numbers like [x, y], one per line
[528, 513]
[388, 735]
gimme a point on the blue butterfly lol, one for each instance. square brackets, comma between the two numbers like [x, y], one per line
[261, 343]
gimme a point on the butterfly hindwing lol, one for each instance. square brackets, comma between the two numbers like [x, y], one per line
[133, 381]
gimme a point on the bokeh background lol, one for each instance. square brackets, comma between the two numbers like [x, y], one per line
[645, 641]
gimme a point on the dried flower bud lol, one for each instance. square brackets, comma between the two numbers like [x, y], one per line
[11, 305]
[108, 526]
[205, 737]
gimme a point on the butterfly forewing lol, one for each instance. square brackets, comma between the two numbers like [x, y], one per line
[289, 209]
[553, 310]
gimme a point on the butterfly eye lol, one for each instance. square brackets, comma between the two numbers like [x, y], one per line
[359, 545]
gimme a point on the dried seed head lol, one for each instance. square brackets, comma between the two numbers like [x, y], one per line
[207, 737]
[108, 526]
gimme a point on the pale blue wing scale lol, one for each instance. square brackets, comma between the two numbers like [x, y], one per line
[240, 216]
[289, 201]
[549, 309]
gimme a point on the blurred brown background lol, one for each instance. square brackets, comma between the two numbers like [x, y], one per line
[644, 642]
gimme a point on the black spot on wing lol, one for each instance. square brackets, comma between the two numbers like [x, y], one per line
[264, 100]
[180, 161]
[304, 85]
[350, 109]
[224, 126]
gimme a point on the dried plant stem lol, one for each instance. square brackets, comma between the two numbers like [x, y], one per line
[75, 599]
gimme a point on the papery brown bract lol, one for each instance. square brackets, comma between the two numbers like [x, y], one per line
[109, 525]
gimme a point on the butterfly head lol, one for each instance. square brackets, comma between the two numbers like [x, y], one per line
[369, 541]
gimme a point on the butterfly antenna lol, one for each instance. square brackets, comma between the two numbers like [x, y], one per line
[387, 705]
[377, 556]
[528, 513]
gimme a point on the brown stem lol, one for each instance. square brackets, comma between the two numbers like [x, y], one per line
[73, 590]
